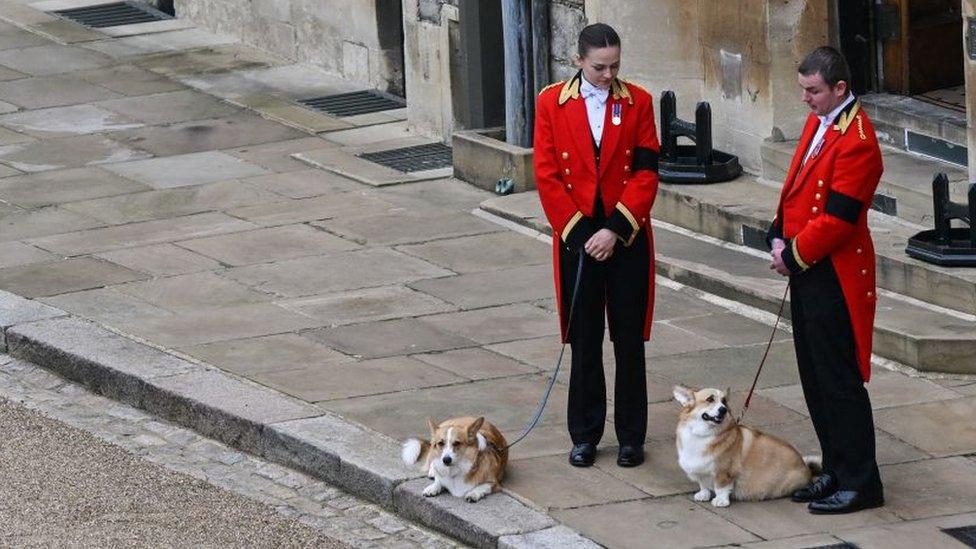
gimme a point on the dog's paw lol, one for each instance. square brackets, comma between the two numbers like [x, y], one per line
[719, 501]
[433, 489]
[703, 495]
[477, 493]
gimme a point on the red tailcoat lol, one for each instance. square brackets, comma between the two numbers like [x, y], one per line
[823, 213]
[568, 179]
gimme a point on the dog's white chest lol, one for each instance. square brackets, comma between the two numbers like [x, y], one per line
[693, 455]
[456, 485]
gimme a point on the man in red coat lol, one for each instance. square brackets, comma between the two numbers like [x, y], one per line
[596, 170]
[820, 239]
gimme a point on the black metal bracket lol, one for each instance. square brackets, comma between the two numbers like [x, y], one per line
[945, 245]
[698, 163]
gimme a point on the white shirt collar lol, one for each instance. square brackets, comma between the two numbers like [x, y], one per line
[832, 115]
[588, 90]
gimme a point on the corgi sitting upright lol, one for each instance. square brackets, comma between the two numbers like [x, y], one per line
[466, 456]
[732, 460]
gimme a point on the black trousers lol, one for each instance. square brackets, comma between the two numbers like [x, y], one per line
[832, 385]
[617, 287]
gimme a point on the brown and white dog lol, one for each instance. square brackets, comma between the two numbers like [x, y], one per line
[465, 455]
[730, 459]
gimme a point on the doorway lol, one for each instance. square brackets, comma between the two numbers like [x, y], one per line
[907, 47]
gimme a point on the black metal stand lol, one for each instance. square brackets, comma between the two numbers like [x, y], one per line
[698, 163]
[945, 245]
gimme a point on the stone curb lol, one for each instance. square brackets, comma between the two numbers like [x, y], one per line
[263, 422]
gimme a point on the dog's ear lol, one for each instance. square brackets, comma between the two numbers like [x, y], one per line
[433, 427]
[475, 427]
[683, 395]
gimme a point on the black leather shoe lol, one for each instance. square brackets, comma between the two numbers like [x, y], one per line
[823, 487]
[630, 456]
[582, 454]
[846, 501]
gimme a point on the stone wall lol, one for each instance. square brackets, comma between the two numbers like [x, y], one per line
[968, 11]
[349, 38]
[739, 56]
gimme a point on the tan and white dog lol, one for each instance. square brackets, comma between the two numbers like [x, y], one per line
[465, 456]
[730, 459]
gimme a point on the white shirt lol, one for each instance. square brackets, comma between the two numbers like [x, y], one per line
[825, 122]
[596, 106]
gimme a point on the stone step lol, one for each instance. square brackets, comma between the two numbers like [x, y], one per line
[906, 184]
[910, 124]
[739, 211]
[916, 334]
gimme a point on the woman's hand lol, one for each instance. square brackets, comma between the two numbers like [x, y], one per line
[600, 245]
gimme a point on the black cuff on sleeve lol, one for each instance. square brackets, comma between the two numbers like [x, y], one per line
[843, 206]
[581, 232]
[790, 261]
[618, 223]
[645, 159]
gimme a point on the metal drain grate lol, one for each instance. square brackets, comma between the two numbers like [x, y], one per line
[413, 159]
[113, 15]
[965, 534]
[353, 103]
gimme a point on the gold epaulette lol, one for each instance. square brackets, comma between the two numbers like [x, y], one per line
[543, 90]
[848, 117]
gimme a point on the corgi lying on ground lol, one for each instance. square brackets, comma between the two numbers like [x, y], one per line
[732, 460]
[465, 456]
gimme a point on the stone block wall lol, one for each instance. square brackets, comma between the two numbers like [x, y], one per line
[348, 38]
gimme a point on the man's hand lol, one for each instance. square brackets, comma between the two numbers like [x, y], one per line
[600, 245]
[777, 255]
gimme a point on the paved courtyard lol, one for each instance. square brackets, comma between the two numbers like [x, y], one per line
[141, 188]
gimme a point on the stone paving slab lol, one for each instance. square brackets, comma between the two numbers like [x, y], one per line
[408, 227]
[476, 363]
[671, 522]
[942, 428]
[66, 32]
[498, 324]
[52, 59]
[335, 272]
[503, 402]
[130, 81]
[213, 59]
[141, 234]
[13, 254]
[160, 260]
[930, 488]
[165, 42]
[367, 305]
[217, 324]
[346, 162]
[66, 121]
[172, 202]
[310, 209]
[168, 107]
[390, 338]
[482, 253]
[343, 380]
[268, 245]
[53, 91]
[290, 113]
[538, 480]
[276, 157]
[485, 289]
[191, 292]
[60, 186]
[8, 107]
[295, 81]
[67, 152]
[63, 276]
[104, 305]
[206, 135]
[187, 169]
[922, 533]
[557, 537]
[20, 224]
[267, 354]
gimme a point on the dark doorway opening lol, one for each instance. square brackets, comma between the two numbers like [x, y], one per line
[909, 47]
[389, 27]
[480, 87]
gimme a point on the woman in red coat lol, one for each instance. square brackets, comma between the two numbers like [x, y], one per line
[596, 153]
